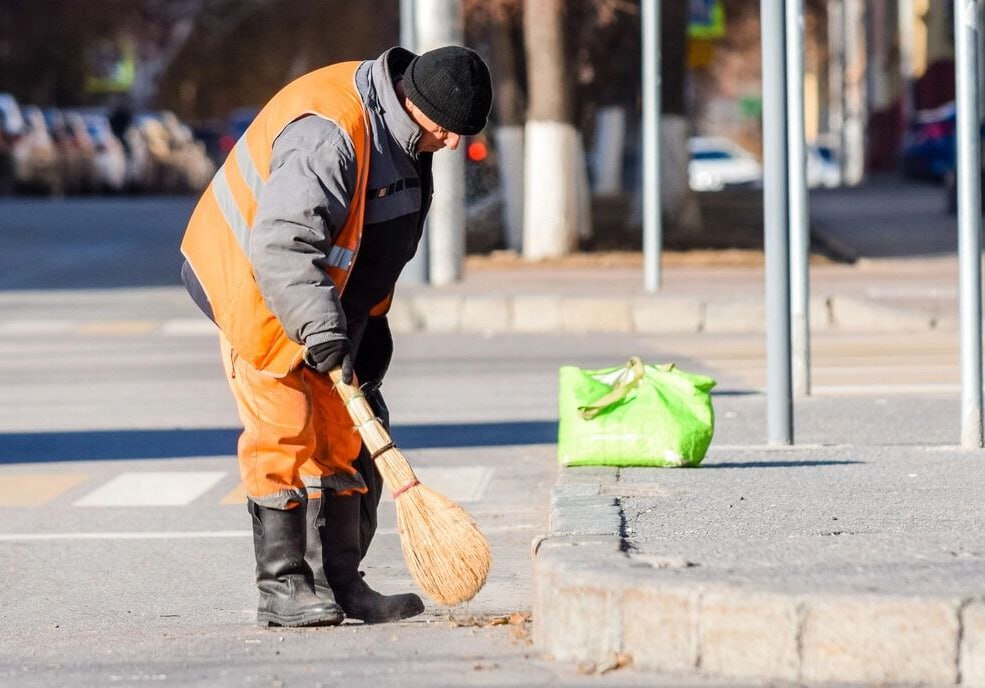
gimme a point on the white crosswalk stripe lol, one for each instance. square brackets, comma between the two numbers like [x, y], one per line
[460, 484]
[175, 327]
[176, 488]
[36, 327]
[189, 327]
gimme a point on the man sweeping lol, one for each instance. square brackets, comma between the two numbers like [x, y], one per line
[293, 251]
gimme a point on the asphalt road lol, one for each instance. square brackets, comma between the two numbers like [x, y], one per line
[124, 541]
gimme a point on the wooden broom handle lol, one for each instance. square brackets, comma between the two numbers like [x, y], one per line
[374, 435]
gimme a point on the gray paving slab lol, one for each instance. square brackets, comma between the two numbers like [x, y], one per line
[859, 562]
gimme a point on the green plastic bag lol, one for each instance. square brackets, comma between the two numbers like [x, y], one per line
[634, 415]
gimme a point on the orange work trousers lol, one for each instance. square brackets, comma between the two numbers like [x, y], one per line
[296, 434]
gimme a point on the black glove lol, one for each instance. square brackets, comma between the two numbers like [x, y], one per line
[329, 355]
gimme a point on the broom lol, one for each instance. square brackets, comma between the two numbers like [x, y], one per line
[447, 556]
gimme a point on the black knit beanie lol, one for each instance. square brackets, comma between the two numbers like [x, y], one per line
[451, 85]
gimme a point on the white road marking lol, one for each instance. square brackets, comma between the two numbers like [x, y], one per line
[175, 488]
[196, 534]
[459, 484]
[176, 535]
[189, 327]
[880, 389]
[36, 327]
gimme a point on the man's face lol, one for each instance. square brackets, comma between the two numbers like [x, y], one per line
[433, 136]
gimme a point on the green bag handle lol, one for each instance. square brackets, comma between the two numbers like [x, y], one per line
[619, 390]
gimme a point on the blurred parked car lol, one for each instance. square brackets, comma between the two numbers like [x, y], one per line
[928, 150]
[79, 131]
[179, 163]
[110, 157]
[823, 169]
[236, 125]
[33, 160]
[73, 165]
[42, 174]
[11, 128]
[717, 162]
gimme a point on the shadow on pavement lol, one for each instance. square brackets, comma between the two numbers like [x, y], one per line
[887, 217]
[114, 445]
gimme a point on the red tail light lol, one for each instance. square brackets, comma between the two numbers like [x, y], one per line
[477, 151]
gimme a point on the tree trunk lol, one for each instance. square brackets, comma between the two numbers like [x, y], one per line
[509, 115]
[679, 206]
[555, 193]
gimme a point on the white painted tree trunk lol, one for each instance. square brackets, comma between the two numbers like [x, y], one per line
[554, 174]
[509, 158]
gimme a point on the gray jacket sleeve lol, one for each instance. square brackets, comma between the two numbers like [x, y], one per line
[302, 207]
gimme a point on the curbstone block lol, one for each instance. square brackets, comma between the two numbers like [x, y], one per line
[972, 649]
[746, 315]
[587, 474]
[600, 547]
[402, 318]
[438, 313]
[595, 315]
[660, 628]
[485, 315]
[586, 520]
[875, 639]
[563, 605]
[849, 313]
[536, 313]
[749, 635]
[574, 490]
[667, 315]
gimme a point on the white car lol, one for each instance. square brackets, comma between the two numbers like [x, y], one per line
[717, 162]
[822, 167]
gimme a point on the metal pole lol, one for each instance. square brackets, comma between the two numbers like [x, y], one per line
[779, 401]
[652, 230]
[408, 26]
[969, 219]
[440, 23]
[416, 271]
[797, 182]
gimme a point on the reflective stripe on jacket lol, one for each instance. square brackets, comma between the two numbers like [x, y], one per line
[216, 242]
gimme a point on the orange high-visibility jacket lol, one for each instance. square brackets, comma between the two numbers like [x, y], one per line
[216, 240]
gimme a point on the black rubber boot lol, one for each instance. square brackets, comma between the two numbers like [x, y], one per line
[336, 520]
[287, 595]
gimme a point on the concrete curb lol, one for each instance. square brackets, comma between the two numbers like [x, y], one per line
[455, 312]
[593, 601]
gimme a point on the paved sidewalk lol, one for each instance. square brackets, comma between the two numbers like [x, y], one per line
[697, 295]
[813, 564]
[904, 278]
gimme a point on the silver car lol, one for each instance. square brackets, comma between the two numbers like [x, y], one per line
[32, 153]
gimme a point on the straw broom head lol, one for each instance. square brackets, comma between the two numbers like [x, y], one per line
[447, 555]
